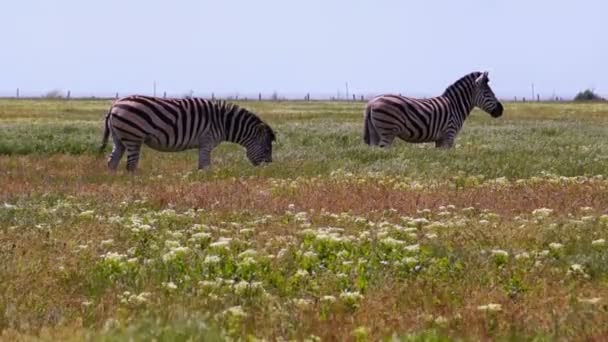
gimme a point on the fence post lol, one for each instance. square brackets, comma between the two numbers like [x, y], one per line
[116, 97]
[68, 95]
[212, 96]
[259, 96]
[537, 97]
[17, 92]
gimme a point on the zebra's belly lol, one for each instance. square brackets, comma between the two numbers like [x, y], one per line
[153, 144]
[416, 140]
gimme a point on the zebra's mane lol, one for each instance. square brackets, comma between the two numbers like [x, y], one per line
[228, 106]
[469, 78]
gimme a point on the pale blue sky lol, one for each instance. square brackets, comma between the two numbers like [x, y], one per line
[229, 46]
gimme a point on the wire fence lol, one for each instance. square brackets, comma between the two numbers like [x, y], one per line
[260, 96]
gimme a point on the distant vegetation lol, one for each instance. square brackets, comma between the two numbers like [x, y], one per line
[54, 94]
[588, 95]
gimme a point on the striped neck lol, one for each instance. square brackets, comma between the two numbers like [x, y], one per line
[461, 95]
[238, 124]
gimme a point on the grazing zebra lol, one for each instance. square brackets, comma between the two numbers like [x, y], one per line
[437, 119]
[179, 124]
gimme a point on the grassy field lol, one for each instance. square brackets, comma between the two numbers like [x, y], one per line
[500, 238]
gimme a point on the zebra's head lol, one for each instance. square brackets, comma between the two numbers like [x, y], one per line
[484, 97]
[260, 150]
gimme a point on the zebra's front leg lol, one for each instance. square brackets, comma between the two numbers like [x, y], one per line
[204, 158]
[204, 152]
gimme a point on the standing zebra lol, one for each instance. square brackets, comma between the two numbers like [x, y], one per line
[437, 119]
[179, 124]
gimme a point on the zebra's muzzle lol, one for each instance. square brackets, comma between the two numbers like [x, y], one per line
[497, 112]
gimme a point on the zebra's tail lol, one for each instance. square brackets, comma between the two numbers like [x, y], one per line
[370, 136]
[106, 133]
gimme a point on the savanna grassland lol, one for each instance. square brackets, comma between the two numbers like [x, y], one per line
[501, 238]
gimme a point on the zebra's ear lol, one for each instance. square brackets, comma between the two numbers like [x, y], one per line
[483, 78]
[266, 129]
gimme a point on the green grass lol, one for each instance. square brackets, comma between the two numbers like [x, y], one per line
[316, 138]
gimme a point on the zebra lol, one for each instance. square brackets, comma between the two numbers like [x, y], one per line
[438, 119]
[171, 125]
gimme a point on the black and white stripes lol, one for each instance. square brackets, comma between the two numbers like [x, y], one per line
[181, 124]
[437, 119]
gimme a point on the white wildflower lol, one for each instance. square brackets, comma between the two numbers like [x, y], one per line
[172, 243]
[87, 213]
[441, 321]
[500, 252]
[248, 253]
[542, 212]
[236, 311]
[222, 242]
[328, 299]
[200, 236]
[391, 242]
[412, 248]
[169, 285]
[576, 269]
[351, 296]
[176, 235]
[420, 221]
[302, 273]
[522, 255]
[490, 307]
[410, 261]
[592, 301]
[302, 303]
[241, 287]
[140, 298]
[212, 259]
[113, 257]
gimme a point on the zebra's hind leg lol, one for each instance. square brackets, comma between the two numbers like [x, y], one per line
[133, 150]
[117, 151]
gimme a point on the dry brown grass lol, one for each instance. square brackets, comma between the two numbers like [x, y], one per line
[85, 177]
